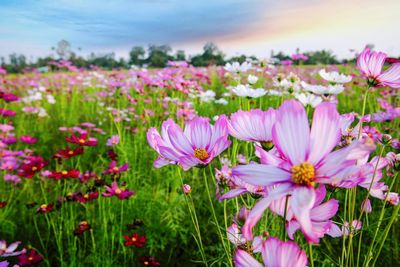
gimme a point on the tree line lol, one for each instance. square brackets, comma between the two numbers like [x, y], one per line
[154, 56]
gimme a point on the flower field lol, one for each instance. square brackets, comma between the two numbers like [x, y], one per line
[250, 164]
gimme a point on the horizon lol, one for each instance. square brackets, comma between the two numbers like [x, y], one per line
[237, 27]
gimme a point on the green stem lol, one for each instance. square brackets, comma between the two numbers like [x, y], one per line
[311, 255]
[215, 217]
[363, 111]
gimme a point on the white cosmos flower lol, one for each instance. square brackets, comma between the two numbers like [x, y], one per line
[246, 91]
[308, 99]
[207, 96]
[221, 101]
[252, 79]
[322, 89]
[51, 99]
[237, 67]
[42, 112]
[290, 83]
[334, 76]
[275, 92]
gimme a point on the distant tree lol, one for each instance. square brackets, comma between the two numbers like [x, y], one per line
[281, 56]
[321, 57]
[136, 56]
[211, 56]
[240, 59]
[158, 55]
[78, 61]
[63, 49]
[106, 61]
[180, 55]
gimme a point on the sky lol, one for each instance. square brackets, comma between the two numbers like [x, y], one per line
[252, 27]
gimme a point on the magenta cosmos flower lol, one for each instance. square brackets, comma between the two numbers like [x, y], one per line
[301, 159]
[370, 64]
[115, 190]
[275, 253]
[198, 144]
[254, 125]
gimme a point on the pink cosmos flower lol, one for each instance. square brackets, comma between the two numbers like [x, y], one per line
[186, 189]
[27, 139]
[12, 178]
[9, 97]
[346, 228]
[275, 253]
[366, 206]
[370, 64]
[114, 190]
[198, 144]
[114, 169]
[9, 163]
[83, 140]
[254, 125]
[7, 113]
[9, 251]
[304, 158]
[114, 140]
[393, 198]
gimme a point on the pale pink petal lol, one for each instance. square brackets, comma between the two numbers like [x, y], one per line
[302, 201]
[292, 255]
[325, 211]
[320, 193]
[243, 259]
[325, 132]
[260, 174]
[188, 162]
[267, 157]
[161, 162]
[179, 141]
[391, 77]
[233, 193]
[291, 132]
[219, 130]
[291, 228]
[258, 210]
[271, 252]
[334, 231]
[199, 132]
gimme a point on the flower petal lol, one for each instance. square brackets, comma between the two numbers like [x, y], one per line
[302, 201]
[325, 211]
[243, 259]
[260, 174]
[325, 132]
[291, 132]
[258, 210]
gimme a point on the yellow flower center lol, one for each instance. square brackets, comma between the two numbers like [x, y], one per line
[70, 152]
[146, 263]
[82, 141]
[303, 174]
[44, 206]
[64, 172]
[133, 239]
[118, 191]
[30, 259]
[34, 168]
[115, 169]
[201, 153]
